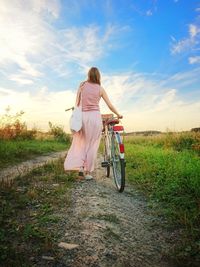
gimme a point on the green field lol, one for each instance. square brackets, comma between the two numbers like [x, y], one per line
[167, 169]
[15, 151]
[18, 143]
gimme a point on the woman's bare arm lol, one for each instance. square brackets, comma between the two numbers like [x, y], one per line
[78, 97]
[109, 104]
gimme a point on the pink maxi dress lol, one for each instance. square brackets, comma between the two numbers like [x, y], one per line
[85, 143]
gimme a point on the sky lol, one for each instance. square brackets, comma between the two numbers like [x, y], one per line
[148, 53]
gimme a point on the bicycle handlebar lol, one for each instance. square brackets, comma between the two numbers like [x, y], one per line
[72, 108]
[110, 116]
[116, 117]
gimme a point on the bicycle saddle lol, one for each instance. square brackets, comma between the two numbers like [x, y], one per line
[106, 116]
[112, 121]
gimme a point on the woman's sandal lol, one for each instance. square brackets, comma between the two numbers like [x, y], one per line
[88, 177]
[80, 176]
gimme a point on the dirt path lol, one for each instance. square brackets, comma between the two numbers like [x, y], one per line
[113, 229]
[23, 168]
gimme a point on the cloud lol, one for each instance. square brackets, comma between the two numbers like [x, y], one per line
[148, 9]
[51, 7]
[25, 36]
[20, 79]
[193, 30]
[84, 44]
[145, 101]
[41, 107]
[173, 38]
[32, 45]
[148, 103]
[194, 60]
[76, 48]
[165, 101]
[182, 79]
[149, 12]
[187, 43]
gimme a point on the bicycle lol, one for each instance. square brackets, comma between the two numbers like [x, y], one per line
[113, 150]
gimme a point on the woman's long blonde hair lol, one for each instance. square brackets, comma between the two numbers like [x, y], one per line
[94, 76]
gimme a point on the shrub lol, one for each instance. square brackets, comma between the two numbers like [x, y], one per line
[182, 141]
[59, 133]
[11, 127]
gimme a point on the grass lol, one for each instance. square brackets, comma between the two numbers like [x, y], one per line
[15, 151]
[177, 141]
[169, 174]
[109, 233]
[32, 208]
[110, 217]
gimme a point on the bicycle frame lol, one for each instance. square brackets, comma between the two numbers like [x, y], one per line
[116, 131]
[107, 136]
[114, 152]
[111, 131]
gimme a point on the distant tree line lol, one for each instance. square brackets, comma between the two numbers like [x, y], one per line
[197, 129]
[144, 133]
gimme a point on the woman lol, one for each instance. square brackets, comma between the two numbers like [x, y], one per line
[82, 153]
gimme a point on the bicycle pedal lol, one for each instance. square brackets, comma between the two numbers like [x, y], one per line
[104, 164]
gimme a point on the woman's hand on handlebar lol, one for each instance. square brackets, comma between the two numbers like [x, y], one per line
[119, 116]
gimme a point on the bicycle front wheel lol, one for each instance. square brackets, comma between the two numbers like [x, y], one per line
[118, 166]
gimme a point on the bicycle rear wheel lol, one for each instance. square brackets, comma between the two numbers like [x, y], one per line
[118, 166]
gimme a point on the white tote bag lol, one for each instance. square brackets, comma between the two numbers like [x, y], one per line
[76, 118]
